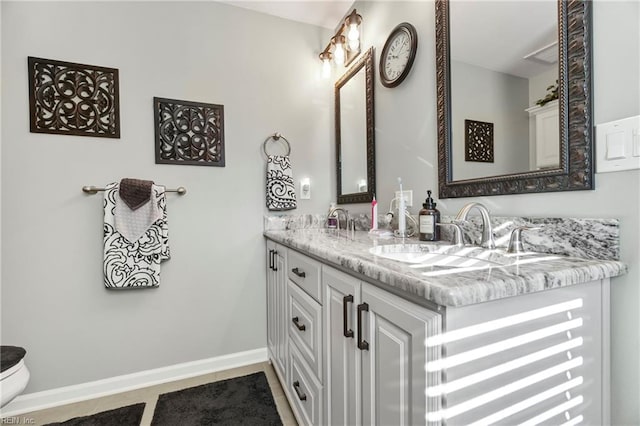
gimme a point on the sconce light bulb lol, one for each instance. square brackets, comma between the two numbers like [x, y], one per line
[354, 34]
[354, 44]
[338, 54]
[326, 68]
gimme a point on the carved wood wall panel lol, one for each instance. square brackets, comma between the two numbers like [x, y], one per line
[189, 132]
[478, 141]
[74, 99]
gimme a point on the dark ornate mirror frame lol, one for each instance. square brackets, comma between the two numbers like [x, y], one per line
[575, 99]
[366, 61]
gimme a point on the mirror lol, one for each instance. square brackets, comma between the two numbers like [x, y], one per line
[494, 137]
[355, 146]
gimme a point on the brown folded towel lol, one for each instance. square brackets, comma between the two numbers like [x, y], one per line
[135, 192]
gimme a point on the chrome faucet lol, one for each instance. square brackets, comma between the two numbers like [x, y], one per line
[487, 232]
[337, 210]
[515, 241]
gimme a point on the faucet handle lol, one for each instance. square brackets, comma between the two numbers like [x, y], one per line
[457, 233]
[515, 242]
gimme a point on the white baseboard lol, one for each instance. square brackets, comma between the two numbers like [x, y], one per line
[84, 391]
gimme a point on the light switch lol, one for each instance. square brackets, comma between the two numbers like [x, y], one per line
[636, 142]
[305, 189]
[615, 145]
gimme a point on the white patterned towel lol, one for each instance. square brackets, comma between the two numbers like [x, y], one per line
[135, 241]
[281, 193]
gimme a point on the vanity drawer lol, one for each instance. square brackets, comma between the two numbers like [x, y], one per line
[305, 272]
[305, 326]
[305, 390]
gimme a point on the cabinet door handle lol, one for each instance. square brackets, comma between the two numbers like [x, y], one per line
[345, 312]
[296, 320]
[271, 259]
[299, 273]
[275, 265]
[296, 387]
[363, 345]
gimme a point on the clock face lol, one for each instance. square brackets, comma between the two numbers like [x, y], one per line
[398, 54]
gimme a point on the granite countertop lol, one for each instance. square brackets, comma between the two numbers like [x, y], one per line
[442, 285]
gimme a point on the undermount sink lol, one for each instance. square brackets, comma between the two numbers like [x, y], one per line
[449, 258]
[444, 255]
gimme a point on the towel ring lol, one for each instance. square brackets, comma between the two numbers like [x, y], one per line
[276, 137]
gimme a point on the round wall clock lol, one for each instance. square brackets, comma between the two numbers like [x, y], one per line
[398, 54]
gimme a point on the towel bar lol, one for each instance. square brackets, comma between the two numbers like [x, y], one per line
[181, 190]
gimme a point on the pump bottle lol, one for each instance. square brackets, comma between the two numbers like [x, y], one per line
[428, 217]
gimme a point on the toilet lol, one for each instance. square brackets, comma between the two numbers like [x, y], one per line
[14, 375]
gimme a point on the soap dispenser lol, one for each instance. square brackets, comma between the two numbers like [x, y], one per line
[428, 217]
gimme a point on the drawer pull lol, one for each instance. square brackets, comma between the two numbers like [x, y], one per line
[363, 345]
[299, 273]
[296, 320]
[296, 387]
[345, 312]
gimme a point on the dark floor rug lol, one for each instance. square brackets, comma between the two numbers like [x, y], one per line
[239, 401]
[123, 416]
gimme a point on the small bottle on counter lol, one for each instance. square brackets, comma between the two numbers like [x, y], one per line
[427, 219]
[332, 217]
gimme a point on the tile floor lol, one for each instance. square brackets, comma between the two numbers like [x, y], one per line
[149, 395]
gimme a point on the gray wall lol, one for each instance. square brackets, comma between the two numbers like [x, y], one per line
[406, 146]
[481, 94]
[211, 300]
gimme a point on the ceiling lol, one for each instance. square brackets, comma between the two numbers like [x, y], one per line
[322, 13]
[497, 34]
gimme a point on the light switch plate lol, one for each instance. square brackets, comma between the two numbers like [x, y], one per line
[305, 189]
[408, 197]
[618, 145]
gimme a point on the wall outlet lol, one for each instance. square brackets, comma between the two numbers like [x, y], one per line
[408, 197]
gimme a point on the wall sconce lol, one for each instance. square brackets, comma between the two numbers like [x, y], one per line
[344, 45]
[325, 57]
[353, 21]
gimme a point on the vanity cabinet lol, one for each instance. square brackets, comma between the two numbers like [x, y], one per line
[276, 307]
[545, 137]
[375, 354]
[349, 351]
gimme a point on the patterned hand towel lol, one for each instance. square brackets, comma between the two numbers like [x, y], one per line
[135, 241]
[281, 193]
[135, 192]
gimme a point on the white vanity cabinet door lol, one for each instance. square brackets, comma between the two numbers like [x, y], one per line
[545, 139]
[342, 359]
[394, 376]
[383, 379]
[276, 306]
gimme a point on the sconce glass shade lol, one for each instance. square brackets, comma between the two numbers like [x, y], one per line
[353, 21]
[354, 37]
[338, 53]
[325, 57]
